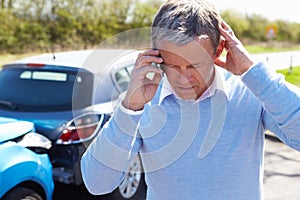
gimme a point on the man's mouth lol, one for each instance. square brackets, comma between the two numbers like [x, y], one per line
[187, 87]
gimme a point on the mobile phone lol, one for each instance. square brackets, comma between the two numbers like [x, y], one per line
[154, 64]
[150, 75]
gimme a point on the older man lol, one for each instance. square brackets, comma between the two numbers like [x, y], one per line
[200, 128]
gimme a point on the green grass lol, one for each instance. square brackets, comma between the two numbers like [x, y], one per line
[292, 76]
[6, 58]
[253, 49]
[271, 48]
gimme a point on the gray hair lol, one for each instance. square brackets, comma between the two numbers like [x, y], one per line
[180, 21]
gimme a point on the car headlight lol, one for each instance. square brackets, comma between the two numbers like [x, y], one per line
[34, 140]
[81, 128]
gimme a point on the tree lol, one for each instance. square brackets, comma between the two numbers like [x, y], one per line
[6, 4]
[8, 27]
[237, 21]
[35, 25]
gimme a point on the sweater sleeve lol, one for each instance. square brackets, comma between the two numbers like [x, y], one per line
[280, 100]
[107, 157]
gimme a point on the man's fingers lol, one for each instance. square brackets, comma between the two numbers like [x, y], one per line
[224, 25]
[147, 57]
[147, 60]
[148, 68]
[141, 72]
[151, 52]
[228, 35]
[226, 31]
[157, 78]
[220, 63]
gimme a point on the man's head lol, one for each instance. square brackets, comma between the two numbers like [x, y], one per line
[181, 21]
[186, 33]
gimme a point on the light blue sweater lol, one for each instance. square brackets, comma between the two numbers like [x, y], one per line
[212, 149]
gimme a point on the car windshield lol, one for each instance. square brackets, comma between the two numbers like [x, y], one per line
[38, 90]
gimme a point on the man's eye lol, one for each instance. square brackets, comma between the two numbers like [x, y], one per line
[173, 66]
[166, 65]
[196, 66]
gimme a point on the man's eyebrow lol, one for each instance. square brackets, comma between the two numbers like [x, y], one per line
[196, 64]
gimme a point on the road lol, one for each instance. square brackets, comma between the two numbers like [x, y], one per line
[280, 60]
[63, 192]
[282, 171]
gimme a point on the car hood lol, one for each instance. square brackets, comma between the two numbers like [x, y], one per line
[12, 128]
[49, 124]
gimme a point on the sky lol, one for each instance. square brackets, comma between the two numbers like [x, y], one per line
[271, 9]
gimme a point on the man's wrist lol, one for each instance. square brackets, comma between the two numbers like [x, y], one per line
[131, 112]
[131, 106]
[247, 64]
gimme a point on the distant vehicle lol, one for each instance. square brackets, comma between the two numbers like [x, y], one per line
[69, 96]
[25, 168]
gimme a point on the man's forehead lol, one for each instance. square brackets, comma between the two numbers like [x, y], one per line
[187, 51]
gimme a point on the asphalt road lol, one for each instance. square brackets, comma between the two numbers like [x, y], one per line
[281, 180]
[282, 171]
[280, 60]
[63, 192]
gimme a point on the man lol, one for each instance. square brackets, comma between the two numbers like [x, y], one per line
[200, 128]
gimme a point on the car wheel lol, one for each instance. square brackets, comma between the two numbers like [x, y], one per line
[22, 193]
[133, 186]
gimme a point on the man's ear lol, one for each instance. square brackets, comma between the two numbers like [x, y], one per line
[220, 49]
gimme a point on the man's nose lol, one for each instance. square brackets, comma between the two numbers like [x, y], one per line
[184, 75]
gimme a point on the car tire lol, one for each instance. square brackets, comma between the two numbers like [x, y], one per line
[133, 186]
[22, 193]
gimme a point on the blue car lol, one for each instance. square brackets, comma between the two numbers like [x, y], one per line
[25, 168]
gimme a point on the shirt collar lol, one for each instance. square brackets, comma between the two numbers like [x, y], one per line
[218, 84]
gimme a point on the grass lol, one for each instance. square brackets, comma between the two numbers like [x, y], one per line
[253, 49]
[266, 49]
[6, 58]
[292, 76]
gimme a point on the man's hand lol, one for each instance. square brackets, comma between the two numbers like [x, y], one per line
[238, 60]
[142, 89]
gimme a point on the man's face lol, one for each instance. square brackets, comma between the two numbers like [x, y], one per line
[189, 68]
